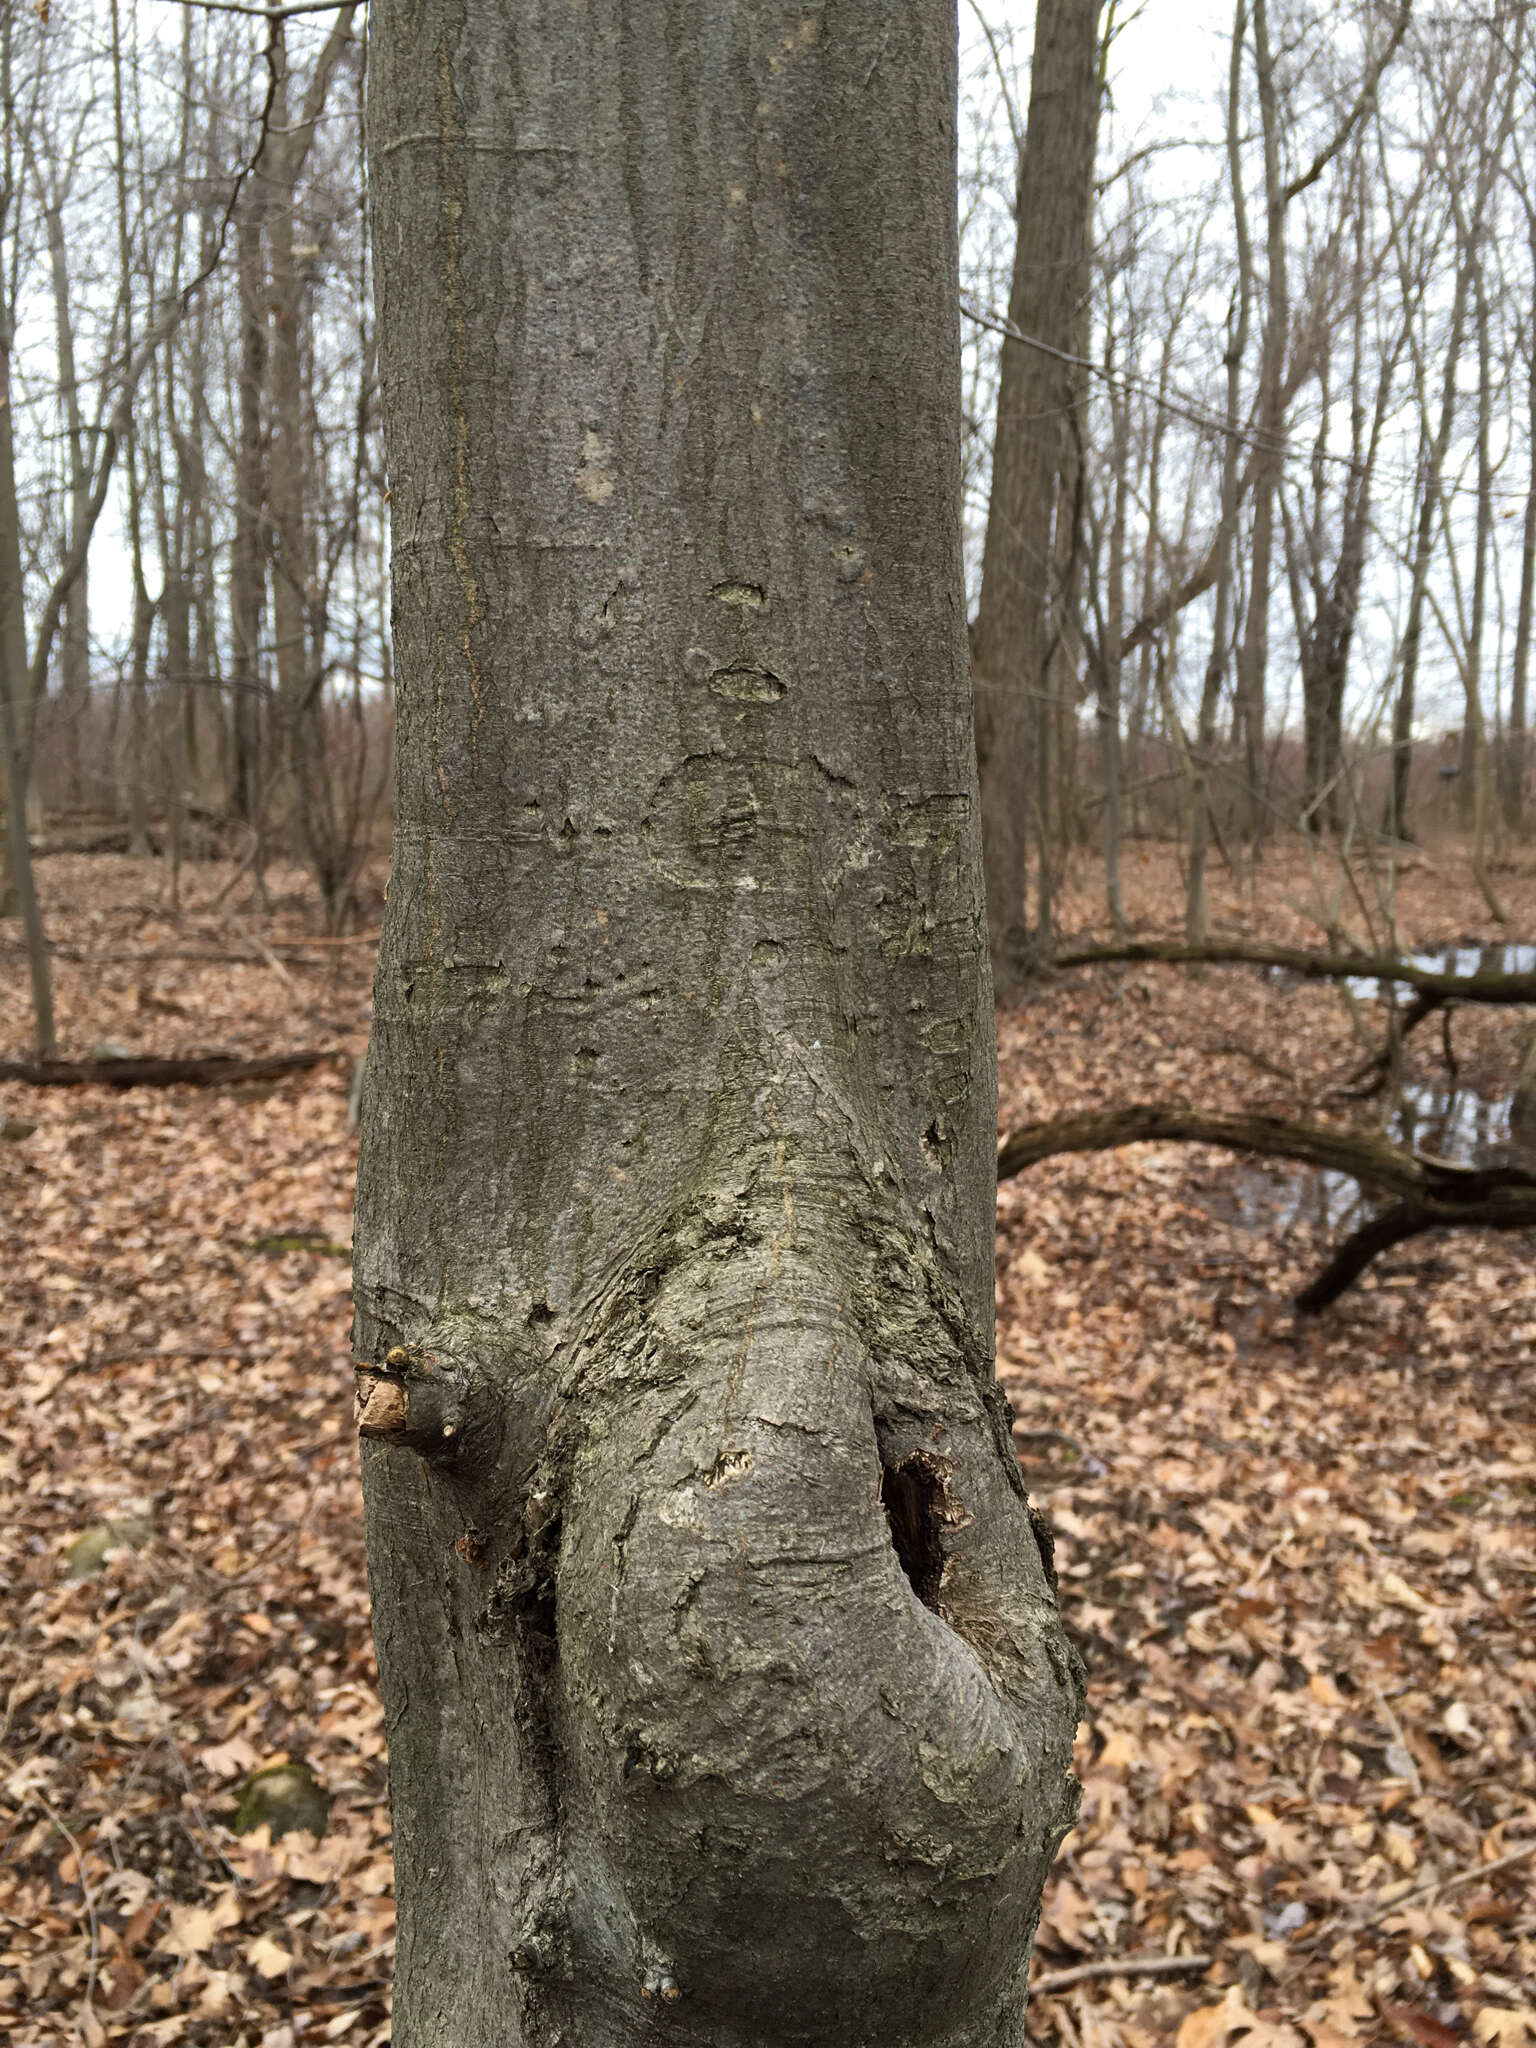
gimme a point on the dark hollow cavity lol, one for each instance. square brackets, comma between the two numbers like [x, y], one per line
[913, 1495]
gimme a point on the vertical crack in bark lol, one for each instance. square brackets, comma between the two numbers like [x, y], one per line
[524, 1607]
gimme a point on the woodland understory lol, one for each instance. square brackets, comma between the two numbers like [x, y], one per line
[1296, 1554]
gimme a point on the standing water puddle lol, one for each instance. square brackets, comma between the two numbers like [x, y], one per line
[1463, 959]
[1457, 1124]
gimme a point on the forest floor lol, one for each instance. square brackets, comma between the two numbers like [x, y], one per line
[1299, 1558]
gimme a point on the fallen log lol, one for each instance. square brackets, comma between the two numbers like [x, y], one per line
[1425, 981]
[1430, 1193]
[212, 1070]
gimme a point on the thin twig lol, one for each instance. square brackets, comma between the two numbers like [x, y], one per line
[1415, 1782]
[1050, 1436]
[1372, 1912]
[89, 1899]
[1121, 1966]
[144, 1354]
[266, 13]
[1234, 1048]
[1463, 1877]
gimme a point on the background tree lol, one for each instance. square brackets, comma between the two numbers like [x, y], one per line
[1032, 520]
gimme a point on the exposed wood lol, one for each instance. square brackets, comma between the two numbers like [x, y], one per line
[214, 1070]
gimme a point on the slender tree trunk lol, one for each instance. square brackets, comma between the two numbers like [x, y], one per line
[1516, 752]
[15, 860]
[1517, 742]
[18, 892]
[136, 760]
[1196, 903]
[1253, 649]
[138, 755]
[1032, 440]
[75, 634]
[1110, 682]
[288, 547]
[726, 1692]
[1434, 444]
[1405, 707]
[1150, 654]
[13, 635]
[19, 854]
[202, 707]
[1475, 795]
[247, 564]
[299, 692]
[1473, 787]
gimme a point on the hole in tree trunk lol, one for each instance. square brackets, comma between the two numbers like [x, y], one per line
[912, 1491]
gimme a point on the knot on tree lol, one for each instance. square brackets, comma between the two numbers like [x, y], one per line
[808, 1690]
[423, 1400]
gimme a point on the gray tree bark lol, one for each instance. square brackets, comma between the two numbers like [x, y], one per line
[727, 1694]
[75, 638]
[1034, 444]
[299, 648]
[247, 556]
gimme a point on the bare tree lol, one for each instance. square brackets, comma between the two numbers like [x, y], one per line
[1031, 518]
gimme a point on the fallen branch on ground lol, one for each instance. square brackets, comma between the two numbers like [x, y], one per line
[1427, 981]
[1371, 1077]
[1430, 1193]
[1121, 1966]
[213, 1070]
[1371, 1912]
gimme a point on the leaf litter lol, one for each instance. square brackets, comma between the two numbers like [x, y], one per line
[1297, 1557]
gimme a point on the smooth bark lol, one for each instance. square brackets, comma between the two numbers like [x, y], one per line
[726, 1691]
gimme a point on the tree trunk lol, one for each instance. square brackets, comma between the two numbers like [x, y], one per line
[13, 647]
[1111, 664]
[247, 560]
[1032, 439]
[18, 893]
[135, 785]
[1517, 741]
[725, 1684]
[75, 636]
[299, 665]
[1434, 444]
[1517, 744]
[288, 542]
[1239, 316]
[1253, 649]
